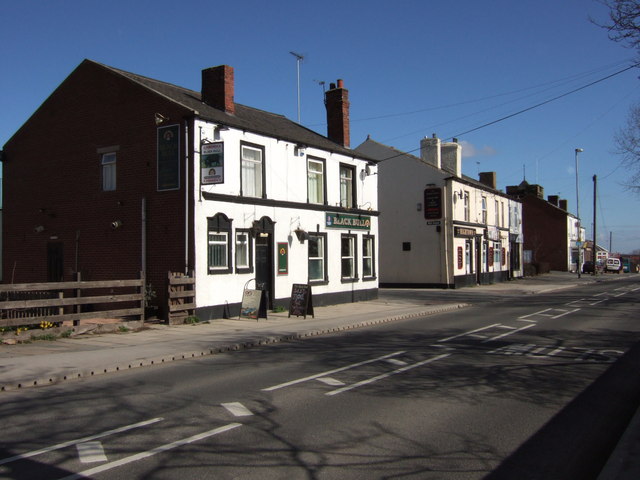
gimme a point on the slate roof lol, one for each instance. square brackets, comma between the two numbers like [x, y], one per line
[245, 118]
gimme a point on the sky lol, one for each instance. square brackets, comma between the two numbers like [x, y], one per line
[521, 84]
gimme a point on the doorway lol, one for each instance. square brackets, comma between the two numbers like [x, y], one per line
[264, 259]
[55, 262]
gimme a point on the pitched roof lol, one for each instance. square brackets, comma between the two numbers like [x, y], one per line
[245, 118]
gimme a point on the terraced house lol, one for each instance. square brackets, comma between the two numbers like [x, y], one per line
[438, 227]
[117, 173]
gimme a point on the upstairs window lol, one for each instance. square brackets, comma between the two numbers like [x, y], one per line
[347, 190]
[252, 171]
[484, 210]
[108, 171]
[315, 181]
[466, 206]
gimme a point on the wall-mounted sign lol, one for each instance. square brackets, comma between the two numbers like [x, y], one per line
[212, 163]
[344, 220]
[433, 203]
[464, 232]
[460, 258]
[283, 258]
[169, 157]
[493, 233]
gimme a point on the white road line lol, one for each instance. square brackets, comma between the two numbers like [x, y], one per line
[554, 352]
[507, 333]
[237, 409]
[80, 440]
[330, 372]
[385, 375]
[150, 453]
[91, 452]
[469, 332]
[333, 382]
[395, 361]
[541, 313]
[565, 313]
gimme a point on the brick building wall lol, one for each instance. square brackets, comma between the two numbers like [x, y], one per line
[53, 180]
[545, 232]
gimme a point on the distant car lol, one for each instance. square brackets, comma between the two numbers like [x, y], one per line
[588, 267]
[613, 265]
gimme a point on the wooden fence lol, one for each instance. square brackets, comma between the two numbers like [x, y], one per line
[181, 296]
[32, 303]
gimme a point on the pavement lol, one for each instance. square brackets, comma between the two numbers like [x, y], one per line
[43, 363]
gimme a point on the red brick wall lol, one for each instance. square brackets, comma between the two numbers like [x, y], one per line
[545, 232]
[53, 177]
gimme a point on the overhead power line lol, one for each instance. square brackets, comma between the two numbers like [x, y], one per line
[546, 101]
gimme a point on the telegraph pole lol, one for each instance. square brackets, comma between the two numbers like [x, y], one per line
[595, 245]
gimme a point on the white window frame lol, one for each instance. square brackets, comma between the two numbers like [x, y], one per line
[348, 258]
[347, 186]
[108, 162]
[368, 256]
[315, 181]
[222, 241]
[484, 210]
[467, 215]
[319, 259]
[242, 250]
[251, 171]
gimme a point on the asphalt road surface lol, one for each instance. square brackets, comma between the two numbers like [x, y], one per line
[532, 387]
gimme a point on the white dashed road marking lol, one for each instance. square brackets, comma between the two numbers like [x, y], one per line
[385, 375]
[237, 409]
[91, 452]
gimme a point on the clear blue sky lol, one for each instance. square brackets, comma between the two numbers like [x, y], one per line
[413, 68]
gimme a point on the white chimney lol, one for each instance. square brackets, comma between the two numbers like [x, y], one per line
[452, 157]
[430, 151]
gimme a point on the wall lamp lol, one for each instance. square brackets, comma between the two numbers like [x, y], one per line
[160, 119]
[116, 224]
[299, 149]
[301, 234]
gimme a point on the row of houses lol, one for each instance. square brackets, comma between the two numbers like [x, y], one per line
[117, 174]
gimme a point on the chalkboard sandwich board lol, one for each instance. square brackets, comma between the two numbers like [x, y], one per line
[301, 301]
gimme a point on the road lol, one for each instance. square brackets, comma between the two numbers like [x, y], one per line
[512, 387]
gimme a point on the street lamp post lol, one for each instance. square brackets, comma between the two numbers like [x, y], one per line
[578, 150]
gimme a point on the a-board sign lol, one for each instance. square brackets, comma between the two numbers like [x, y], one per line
[250, 307]
[301, 301]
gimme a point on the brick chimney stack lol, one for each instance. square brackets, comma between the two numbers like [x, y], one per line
[488, 179]
[553, 199]
[218, 88]
[336, 100]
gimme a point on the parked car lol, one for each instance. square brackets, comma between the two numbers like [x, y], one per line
[613, 265]
[588, 267]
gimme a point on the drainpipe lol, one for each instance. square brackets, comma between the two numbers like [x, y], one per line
[445, 228]
[186, 196]
[143, 237]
